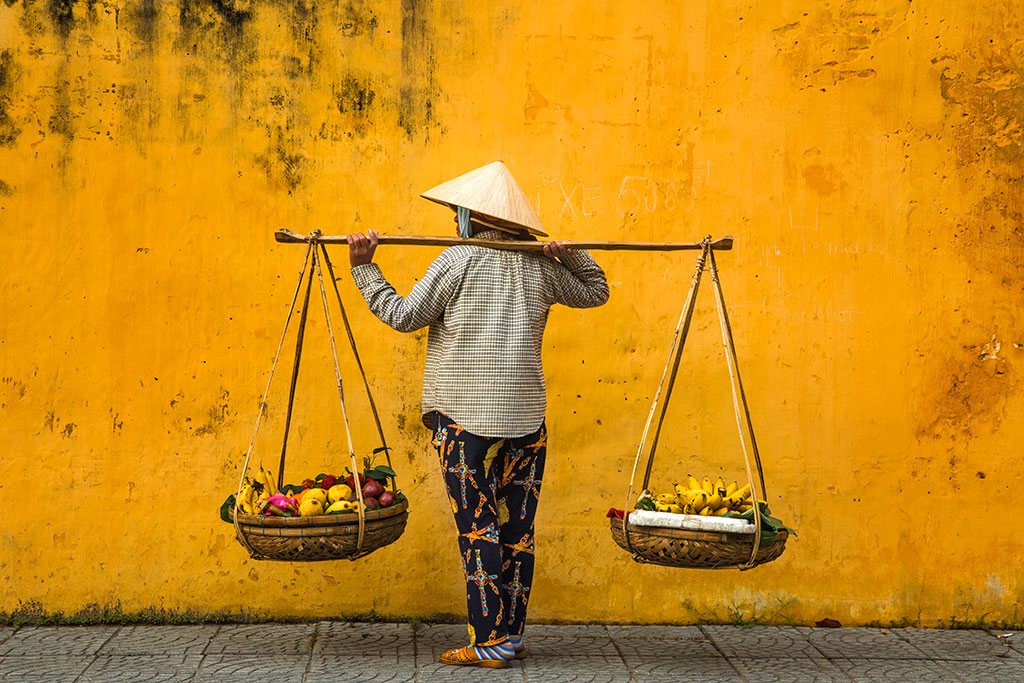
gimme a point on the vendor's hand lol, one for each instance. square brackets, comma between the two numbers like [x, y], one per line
[361, 248]
[556, 250]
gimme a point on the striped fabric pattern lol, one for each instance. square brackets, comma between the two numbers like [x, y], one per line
[485, 310]
[504, 651]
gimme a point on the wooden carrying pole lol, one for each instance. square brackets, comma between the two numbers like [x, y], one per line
[722, 243]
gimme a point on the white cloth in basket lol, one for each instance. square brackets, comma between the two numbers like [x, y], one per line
[675, 520]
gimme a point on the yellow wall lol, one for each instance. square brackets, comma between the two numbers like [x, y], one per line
[867, 157]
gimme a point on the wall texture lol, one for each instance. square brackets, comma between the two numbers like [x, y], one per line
[867, 156]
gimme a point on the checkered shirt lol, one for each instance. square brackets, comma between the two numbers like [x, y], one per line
[486, 310]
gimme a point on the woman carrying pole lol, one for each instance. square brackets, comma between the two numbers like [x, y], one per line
[483, 386]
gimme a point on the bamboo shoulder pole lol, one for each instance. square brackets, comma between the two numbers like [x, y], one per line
[722, 243]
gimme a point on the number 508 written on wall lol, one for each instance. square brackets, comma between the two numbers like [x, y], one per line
[638, 193]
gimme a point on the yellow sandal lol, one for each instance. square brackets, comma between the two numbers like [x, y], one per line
[466, 656]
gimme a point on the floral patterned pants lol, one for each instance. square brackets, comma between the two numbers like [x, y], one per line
[493, 486]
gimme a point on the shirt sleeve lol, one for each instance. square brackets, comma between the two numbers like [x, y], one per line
[578, 281]
[425, 303]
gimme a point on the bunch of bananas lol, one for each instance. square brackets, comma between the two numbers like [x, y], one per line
[253, 489]
[705, 497]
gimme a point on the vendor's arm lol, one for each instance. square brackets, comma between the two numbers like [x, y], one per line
[578, 282]
[425, 303]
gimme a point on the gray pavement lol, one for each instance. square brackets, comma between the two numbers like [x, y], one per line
[355, 652]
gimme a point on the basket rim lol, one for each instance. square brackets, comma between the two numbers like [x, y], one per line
[321, 520]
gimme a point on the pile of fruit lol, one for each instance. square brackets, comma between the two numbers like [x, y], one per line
[327, 494]
[703, 497]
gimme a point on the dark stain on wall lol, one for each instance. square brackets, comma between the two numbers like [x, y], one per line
[143, 19]
[356, 19]
[217, 28]
[352, 95]
[62, 16]
[417, 88]
[284, 164]
[5, 189]
[9, 130]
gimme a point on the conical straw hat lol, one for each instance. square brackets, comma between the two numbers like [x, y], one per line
[494, 194]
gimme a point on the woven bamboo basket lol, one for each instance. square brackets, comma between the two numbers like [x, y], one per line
[323, 537]
[693, 549]
[684, 547]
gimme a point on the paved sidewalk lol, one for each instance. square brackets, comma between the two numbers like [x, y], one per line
[335, 651]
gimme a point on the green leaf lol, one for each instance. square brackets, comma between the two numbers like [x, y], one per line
[226, 507]
[376, 474]
[400, 497]
[645, 504]
[385, 469]
[381, 449]
[319, 477]
[291, 489]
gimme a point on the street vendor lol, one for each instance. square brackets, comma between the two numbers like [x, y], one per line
[483, 386]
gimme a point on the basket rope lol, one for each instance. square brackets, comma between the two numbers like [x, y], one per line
[706, 257]
[311, 261]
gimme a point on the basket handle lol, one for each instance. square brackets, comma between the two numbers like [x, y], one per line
[674, 354]
[359, 363]
[263, 402]
[344, 411]
[738, 396]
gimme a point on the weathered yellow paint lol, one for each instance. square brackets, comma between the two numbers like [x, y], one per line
[867, 156]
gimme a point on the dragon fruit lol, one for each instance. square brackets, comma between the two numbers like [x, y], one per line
[279, 505]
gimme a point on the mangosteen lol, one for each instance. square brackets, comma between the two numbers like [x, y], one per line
[372, 489]
[387, 499]
[371, 503]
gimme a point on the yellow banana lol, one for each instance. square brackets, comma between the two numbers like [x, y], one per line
[269, 479]
[243, 499]
[719, 484]
[698, 500]
[706, 511]
[744, 491]
[661, 507]
[666, 498]
[675, 508]
[745, 507]
[692, 483]
[687, 509]
[715, 501]
[721, 511]
[731, 488]
[681, 492]
[705, 484]
[734, 500]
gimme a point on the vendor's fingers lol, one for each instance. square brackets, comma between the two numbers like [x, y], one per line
[373, 239]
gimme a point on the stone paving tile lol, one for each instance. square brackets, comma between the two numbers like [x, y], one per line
[956, 644]
[432, 670]
[457, 634]
[365, 640]
[656, 632]
[585, 668]
[771, 642]
[49, 668]
[154, 668]
[696, 646]
[895, 670]
[1002, 671]
[1015, 640]
[570, 641]
[785, 669]
[160, 640]
[862, 643]
[360, 669]
[57, 640]
[233, 668]
[682, 670]
[263, 639]
[5, 633]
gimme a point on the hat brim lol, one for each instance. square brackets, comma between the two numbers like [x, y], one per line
[493, 221]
